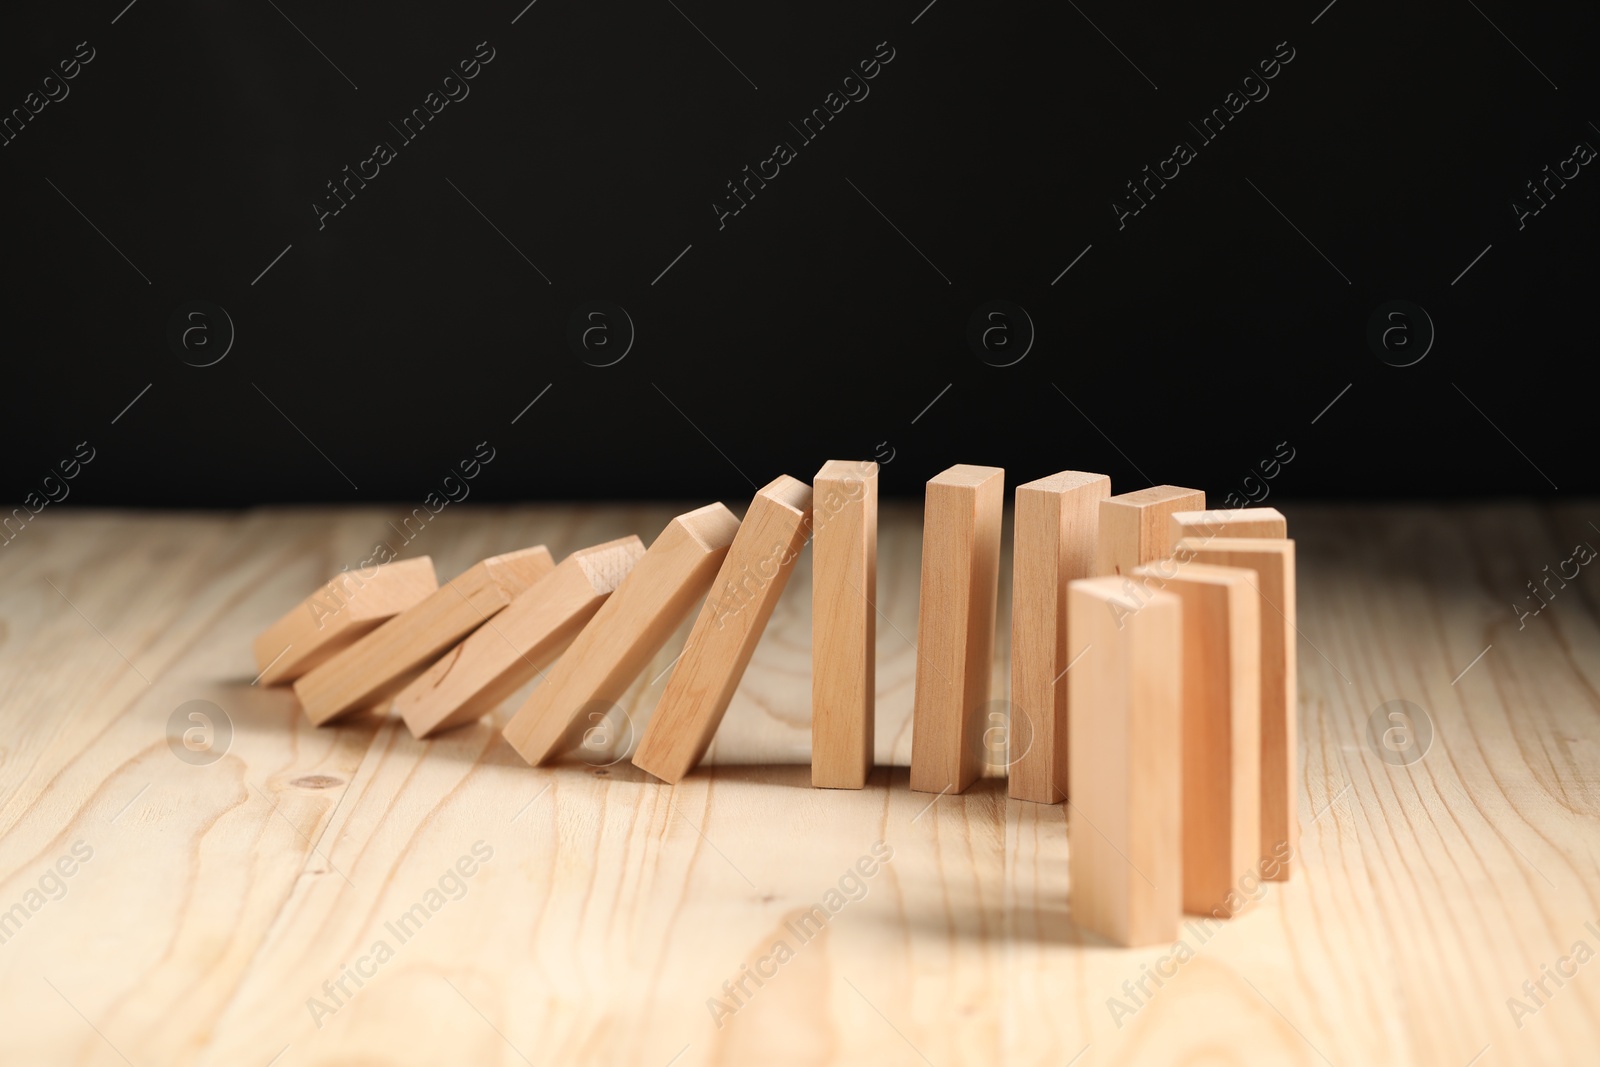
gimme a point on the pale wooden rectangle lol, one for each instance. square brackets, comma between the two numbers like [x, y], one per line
[473, 678]
[1057, 521]
[1273, 562]
[1136, 528]
[1123, 851]
[382, 662]
[608, 654]
[1221, 821]
[955, 626]
[844, 626]
[1229, 522]
[337, 615]
[752, 577]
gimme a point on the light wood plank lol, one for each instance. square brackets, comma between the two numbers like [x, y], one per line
[753, 575]
[520, 642]
[844, 624]
[956, 625]
[1056, 528]
[1136, 528]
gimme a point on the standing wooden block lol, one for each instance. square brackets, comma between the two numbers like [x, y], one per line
[747, 588]
[1136, 528]
[1057, 525]
[1123, 847]
[1235, 522]
[955, 626]
[382, 662]
[844, 626]
[1273, 562]
[1221, 821]
[629, 628]
[339, 614]
[535, 628]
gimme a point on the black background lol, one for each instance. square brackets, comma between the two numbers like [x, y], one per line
[382, 348]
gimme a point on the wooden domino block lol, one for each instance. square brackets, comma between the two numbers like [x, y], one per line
[339, 614]
[1123, 852]
[1057, 525]
[1221, 820]
[844, 625]
[1229, 522]
[1273, 562]
[955, 626]
[1136, 528]
[725, 635]
[383, 661]
[629, 628]
[472, 679]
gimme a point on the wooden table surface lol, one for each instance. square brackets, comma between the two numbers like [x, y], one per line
[164, 911]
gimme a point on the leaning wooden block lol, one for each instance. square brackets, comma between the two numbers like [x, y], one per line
[382, 662]
[339, 614]
[1273, 562]
[536, 627]
[955, 626]
[1136, 528]
[1057, 525]
[844, 627]
[714, 658]
[1123, 851]
[1226, 522]
[1221, 821]
[628, 629]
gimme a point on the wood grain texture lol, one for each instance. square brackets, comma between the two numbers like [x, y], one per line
[1056, 526]
[380, 664]
[342, 611]
[956, 625]
[844, 622]
[216, 902]
[1226, 522]
[753, 575]
[1136, 528]
[506, 653]
[1273, 562]
[608, 654]
[1124, 826]
[1221, 733]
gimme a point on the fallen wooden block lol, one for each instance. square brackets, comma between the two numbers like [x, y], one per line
[534, 629]
[1057, 526]
[1221, 819]
[1236, 522]
[752, 577]
[1273, 562]
[844, 626]
[383, 661]
[338, 614]
[955, 626]
[629, 628]
[1136, 528]
[1123, 848]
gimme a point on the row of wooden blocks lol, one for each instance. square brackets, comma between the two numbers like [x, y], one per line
[1152, 660]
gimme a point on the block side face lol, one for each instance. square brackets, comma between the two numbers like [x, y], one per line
[844, 553]
[1100, 768]
[1038, 772]
[1155, 800]
[1244, 664]
[342, 610]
